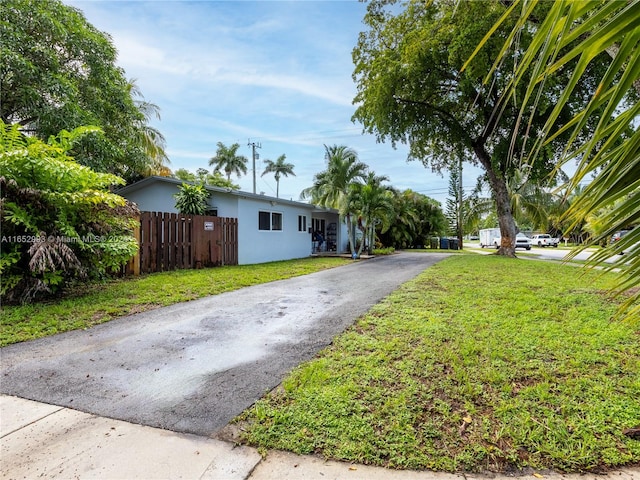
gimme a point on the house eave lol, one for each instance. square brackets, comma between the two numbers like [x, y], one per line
[228, 191]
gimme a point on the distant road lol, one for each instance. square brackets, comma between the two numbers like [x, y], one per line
[549, 253]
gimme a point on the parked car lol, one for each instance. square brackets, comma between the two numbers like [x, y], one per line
[618, 235]
[544, 240]
[522, 241]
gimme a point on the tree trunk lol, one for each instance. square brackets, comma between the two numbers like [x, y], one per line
[350, 234]
[506, 221]
[361, 247]
[372, 237]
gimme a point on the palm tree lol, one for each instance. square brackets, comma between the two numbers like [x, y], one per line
[228, 160]
[331, 186]
[573, 36]
[278, 168]
[151, 139]
[372, 202]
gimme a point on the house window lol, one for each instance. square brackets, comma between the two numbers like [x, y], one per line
[269, 221]
[213, 212]
[276, 221]
[302, 223]
[264, 220]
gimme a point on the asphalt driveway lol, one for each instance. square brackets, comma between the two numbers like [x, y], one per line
[194, 366]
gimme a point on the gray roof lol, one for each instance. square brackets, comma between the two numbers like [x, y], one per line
[145, 182]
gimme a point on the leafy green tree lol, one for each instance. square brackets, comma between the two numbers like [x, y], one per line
[278, 168]
[192, 199]
[403, 229]
[411, 89]
[572, 38]
[416, 217]
[58, 72]
[60, 222]
[228, 160]
[331, 186]
[185, 175]
[203, 176]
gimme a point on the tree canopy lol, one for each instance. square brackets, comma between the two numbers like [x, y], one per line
[573, 38]
[415, 218]
[60, 222]
[203, 176]
[59, 72]
[411, 90]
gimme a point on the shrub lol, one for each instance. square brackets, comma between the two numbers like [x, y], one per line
[384, 251]
[59, 220]
[192, 199]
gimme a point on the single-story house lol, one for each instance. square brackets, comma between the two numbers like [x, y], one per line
[269, 228]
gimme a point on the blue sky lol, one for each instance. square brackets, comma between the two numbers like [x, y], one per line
[276, 73]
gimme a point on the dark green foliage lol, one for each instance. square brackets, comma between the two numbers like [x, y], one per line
[416, 218]
[192, 199]
[58, 72]
[59, 220]
[411, 89]
[202, 175]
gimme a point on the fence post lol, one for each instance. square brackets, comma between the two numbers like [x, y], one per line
[133, 266]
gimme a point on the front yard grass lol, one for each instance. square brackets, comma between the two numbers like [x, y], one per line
[95, 303]
[480, 363]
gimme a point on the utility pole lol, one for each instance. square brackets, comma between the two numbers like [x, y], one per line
[255, 156]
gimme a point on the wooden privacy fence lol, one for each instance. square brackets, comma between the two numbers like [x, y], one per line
[170, 241]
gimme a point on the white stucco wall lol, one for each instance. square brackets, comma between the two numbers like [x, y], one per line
[254, 245]
[156, 197]
[258, 246]
[227, 205]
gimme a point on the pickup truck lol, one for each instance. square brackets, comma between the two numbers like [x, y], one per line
[522, 241]
[544, 240]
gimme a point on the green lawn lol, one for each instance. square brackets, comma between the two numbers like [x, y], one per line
[100, 302]
[479, 363]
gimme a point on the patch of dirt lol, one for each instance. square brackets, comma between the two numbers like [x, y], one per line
[233, 432]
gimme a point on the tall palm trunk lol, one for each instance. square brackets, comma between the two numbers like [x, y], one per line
[351, 233]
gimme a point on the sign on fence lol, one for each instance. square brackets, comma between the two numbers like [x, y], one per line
[170, 241]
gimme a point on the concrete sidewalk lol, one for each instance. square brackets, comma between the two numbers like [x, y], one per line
[46, 441]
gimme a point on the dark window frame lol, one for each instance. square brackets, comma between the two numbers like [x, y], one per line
[302, 223]
[269, 221]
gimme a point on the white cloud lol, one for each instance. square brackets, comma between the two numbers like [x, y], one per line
[276, 72]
